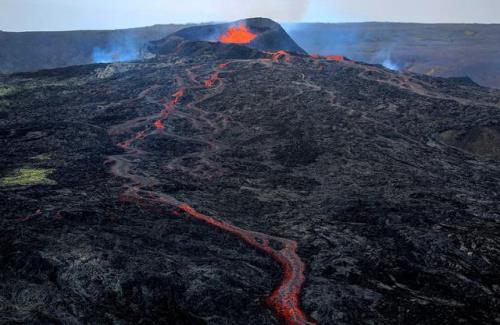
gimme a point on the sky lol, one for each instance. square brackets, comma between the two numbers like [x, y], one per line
[27, 15]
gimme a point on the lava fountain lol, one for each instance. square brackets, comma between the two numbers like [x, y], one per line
[238, 35]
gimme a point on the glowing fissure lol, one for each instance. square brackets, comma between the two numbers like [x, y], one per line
[285, 298]
[280, 55]
[158, 124]
[214, 77]
[237, 35]
[337, 58]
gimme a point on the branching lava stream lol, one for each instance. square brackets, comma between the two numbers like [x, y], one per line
[285, 299]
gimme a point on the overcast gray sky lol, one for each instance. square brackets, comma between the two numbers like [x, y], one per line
[21, 15]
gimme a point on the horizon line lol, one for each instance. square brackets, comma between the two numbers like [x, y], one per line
[222, 22]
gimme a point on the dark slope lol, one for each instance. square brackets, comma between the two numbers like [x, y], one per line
[444, 50]
[435, 49]
[31, 51]
[394, 226]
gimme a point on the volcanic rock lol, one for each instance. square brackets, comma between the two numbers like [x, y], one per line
[331, 177]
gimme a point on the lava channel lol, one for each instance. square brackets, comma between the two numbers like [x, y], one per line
[285, 298]
[279, 55]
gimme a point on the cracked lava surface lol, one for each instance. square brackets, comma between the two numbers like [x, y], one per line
[273, 188]
[285, 299]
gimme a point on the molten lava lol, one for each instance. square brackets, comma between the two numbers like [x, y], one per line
[285, 299]
[168, 107]
[338, 58]
[214, 77]
[138, 136]
[279, 55]
[159, 125]
[238, 35]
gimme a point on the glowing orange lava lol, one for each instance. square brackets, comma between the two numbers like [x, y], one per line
[328, 57]
[338, 58]
[285, 299]
[159, 125]
[138, 136]
[279, 55]
[168, 107]
[214, 77]
[238, 35]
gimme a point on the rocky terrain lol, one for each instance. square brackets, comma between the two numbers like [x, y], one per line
[444, 50]
[236, 186]
[31, 51]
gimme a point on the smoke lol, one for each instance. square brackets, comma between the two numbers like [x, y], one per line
[121, 49]
[281, 10]
[327, 39]
[389, 64]
[367, 42]
[385, 56]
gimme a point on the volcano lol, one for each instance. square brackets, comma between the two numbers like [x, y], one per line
[226, 180]
[259, 34]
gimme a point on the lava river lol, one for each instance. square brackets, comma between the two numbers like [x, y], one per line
[285, 298]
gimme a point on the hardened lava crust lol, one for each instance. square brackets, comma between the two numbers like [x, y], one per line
[262, 189]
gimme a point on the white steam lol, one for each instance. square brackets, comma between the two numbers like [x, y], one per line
[281, 10]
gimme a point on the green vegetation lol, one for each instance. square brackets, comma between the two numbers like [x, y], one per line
[6, 90]
[28, 176]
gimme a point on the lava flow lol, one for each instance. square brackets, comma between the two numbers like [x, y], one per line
[238, 35]
[285, 299]
[338, 58]
[138, 136]
[159, 125]
[277, 56]
[210, 82]
[168, 107]
[214, 77]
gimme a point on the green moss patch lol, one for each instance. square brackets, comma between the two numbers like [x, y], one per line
[6, 90]
[28, 176]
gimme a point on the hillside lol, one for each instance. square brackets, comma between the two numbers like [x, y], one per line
[440, 50]
[219, 184]
[443, 50]
[31, 51]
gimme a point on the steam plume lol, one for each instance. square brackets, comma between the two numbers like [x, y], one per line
[281, 10]
[123, 49]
